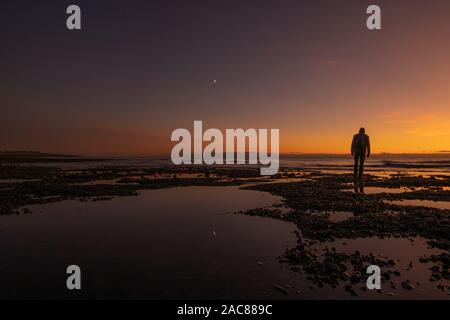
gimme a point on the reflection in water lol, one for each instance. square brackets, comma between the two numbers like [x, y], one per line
[376, 190]
[359, 187]
[444, 205]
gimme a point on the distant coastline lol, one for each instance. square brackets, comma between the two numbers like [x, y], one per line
[26, 153]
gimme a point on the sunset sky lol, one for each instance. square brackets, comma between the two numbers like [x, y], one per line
[139, 69]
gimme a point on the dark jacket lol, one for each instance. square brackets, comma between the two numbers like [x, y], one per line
[361, 145]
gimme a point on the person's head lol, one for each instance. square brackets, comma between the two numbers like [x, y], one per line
[362, 131]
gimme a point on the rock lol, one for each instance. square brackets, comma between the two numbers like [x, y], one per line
[407, 285]
[356, 277]
[436, 276]
[350, 289]
[281, 289]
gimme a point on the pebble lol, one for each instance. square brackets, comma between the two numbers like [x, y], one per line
[407, 285]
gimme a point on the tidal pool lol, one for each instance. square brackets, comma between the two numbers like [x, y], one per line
[170, 243]
[177, 243]
[445, 205]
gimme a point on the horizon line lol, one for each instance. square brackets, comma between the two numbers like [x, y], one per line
[58, 154]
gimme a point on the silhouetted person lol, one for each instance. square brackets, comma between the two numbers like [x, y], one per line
[360, 149]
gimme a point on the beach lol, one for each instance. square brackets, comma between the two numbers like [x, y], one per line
[143, 228]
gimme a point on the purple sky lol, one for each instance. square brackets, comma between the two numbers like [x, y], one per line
[139, 69]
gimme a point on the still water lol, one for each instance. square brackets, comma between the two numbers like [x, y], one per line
[178, 243]
[172, 243]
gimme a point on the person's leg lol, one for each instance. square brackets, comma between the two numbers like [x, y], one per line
[355, 167]
[361, 166]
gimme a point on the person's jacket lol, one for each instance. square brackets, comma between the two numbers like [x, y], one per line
[361, 144]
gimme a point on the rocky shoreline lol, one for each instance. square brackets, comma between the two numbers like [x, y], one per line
[373, 217]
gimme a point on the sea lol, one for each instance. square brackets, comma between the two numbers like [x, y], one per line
[427, 164]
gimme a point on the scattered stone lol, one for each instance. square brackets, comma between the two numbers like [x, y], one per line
[407, 285]
[281, 289]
